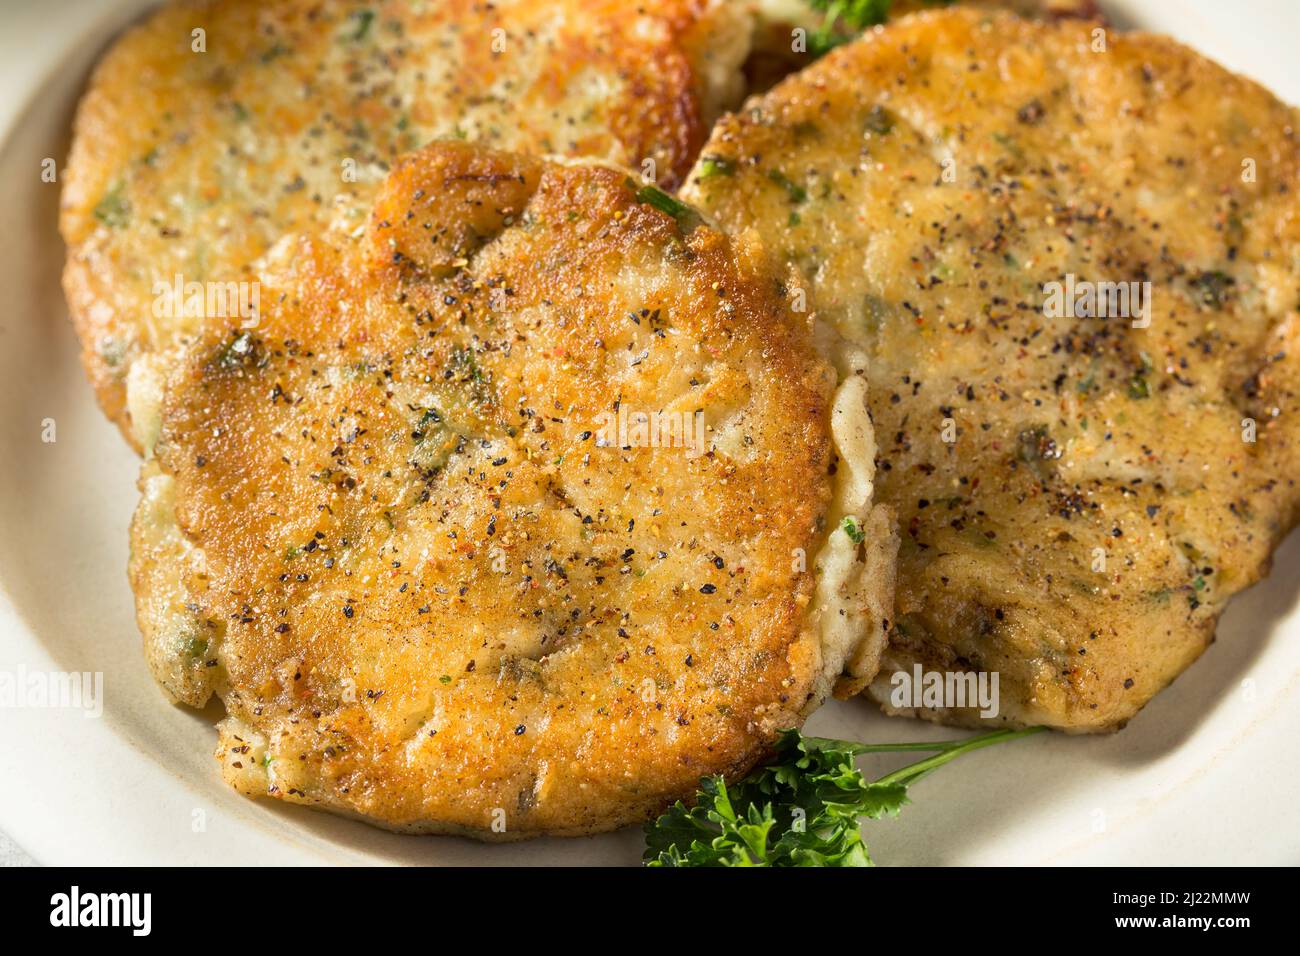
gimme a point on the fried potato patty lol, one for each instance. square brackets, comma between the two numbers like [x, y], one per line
[522, 509]
[216, 127]
[1080, 488]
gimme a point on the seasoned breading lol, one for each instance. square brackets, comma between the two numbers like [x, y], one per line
[216, 127]
[525, 506]
[1078, 497]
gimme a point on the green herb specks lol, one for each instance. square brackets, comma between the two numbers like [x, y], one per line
[687, 218]
[114, 209]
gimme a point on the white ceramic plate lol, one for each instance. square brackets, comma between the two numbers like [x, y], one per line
[1203, 775]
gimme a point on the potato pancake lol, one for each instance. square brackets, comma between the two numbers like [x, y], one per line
[1073, 259]
[213, 128]
[524, 507]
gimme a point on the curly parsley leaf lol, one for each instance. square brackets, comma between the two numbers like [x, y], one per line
[843, 20]
[803, 809]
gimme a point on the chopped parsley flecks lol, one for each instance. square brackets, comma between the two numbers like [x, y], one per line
[687, 218]
[114, 210]
[712, 166]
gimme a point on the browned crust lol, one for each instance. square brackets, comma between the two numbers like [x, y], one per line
[286, 92]
[468, 249]
[1056, 144]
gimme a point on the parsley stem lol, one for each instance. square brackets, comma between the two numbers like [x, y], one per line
[948, 750]
[922, 746]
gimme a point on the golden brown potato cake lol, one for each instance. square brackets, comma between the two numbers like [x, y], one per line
[213, 128]
[1078, 498]
[409, 532]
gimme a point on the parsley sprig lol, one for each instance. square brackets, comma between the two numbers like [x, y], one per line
[843, 20]
[802, 809]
